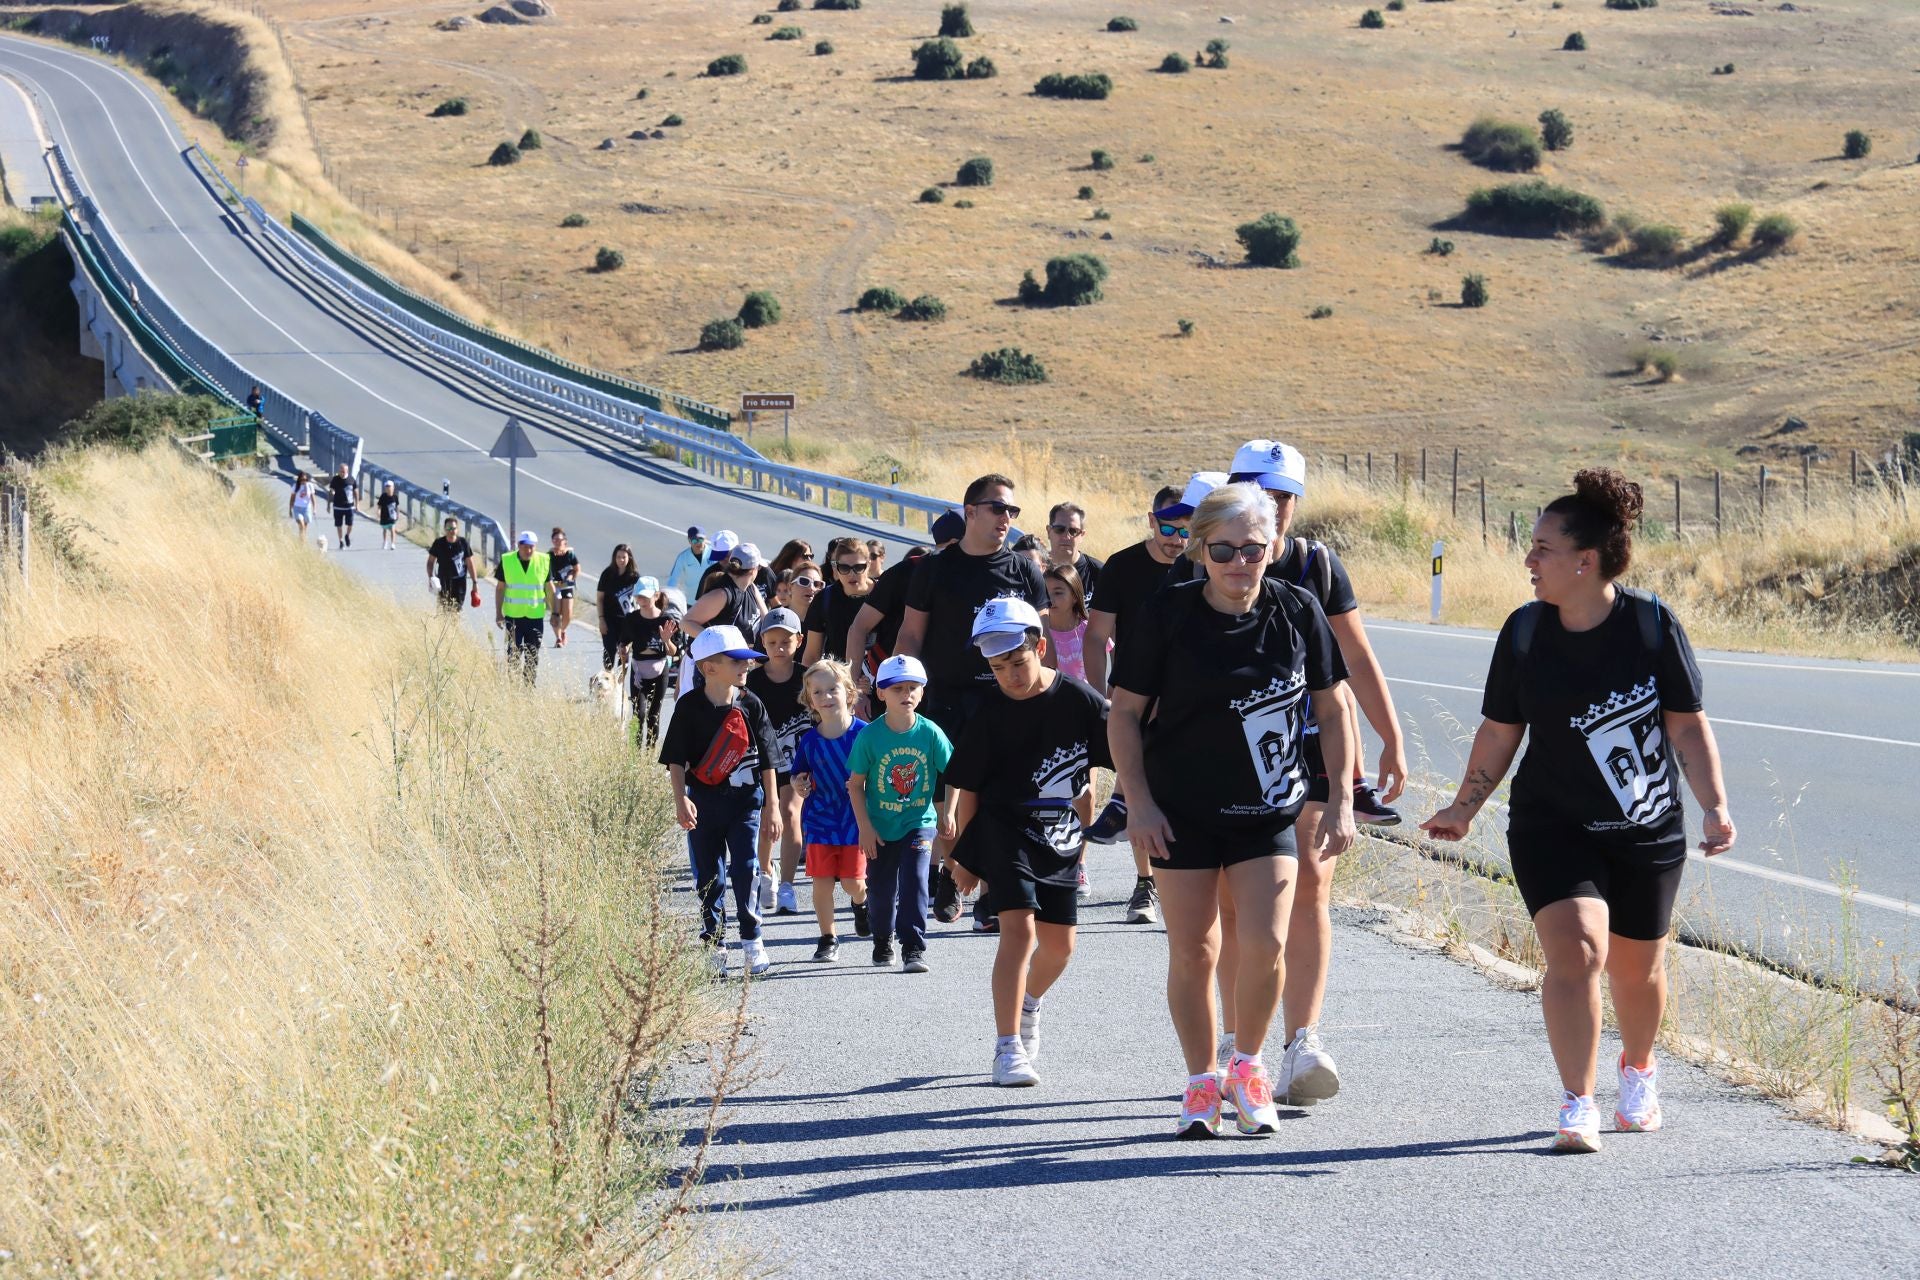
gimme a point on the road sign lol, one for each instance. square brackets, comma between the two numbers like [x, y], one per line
[761, 401]
[513, 445]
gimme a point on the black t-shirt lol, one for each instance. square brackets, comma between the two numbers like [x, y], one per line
[1306, 571]
[389, 508]
[949, 587]
[1027, 759]
[1130, 578]
[646, 635]
[563, 569]
[691, 730]
[452, 559]
[612, 583]
[1223, 747]
[344, 492]
[789, 719]
[1597, 753]
[830, 616]
[1089, 568]
[889, 596]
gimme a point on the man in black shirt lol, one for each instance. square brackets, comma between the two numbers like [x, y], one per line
[449, 562]
[346, 495]
[1066, 529]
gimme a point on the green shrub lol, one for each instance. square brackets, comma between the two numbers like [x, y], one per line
[530, 140]
[1101, 215]
[1665, 365]
[760, 310]
[1371, 20]
[982, 68]
[1395, 6]
[641, 95]
[1073, 280]
[788, 6]
[1122, 24]
[609, 259]
[822, 48]
[1555, 129]
[1092, 85]
[728, 64]
[505, 153]
[1009, 365]
[142, 419]
[1730, 222]
[1085, 193]
[1147, 158]
[1440, 248]
[932, 195]
[1175, 64]
[1214, 56]
[1724, 70]
[1633, 4]
[836, 4]
[1575, 43]
[1270, 241]
[1774, 231]
[788, 33]
[1535, 208]
[1501, 144]
[1473, 291]
[977, 172]
[963, 204]
[1185, 327]
[954, 21]
[762, 19]
[1857, 145]
[451, 107]
[881, 298]
[924, 307]
[1102, 159]
[672, 122]
[1655, 241]
[1320, 312]
[938, 60]
[722, 335]
[574, 220]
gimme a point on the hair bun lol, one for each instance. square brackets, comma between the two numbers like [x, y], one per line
[1612, 493]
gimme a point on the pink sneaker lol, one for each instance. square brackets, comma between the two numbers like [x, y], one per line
[1251, 1095]
[1200, 1110]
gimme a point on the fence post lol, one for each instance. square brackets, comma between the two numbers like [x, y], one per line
[1396, 468]
[1423, 468]
[1456, 482]
[1806, 483]
[1513, 530]
[1483, 511]
[1763, 499]
[1369, 468]
[1716, 504]
[1676, 508]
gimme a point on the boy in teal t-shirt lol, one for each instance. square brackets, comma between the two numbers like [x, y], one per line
[895, 764]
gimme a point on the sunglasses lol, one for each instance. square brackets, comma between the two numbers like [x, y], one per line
[1225, 552]
[1174, 530]
[810, 584]
[1066, 531]
[1001, 508]
[847, 567]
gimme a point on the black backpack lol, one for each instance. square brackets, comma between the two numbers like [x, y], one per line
[1646, 612]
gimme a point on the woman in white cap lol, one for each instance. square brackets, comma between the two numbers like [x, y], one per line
[1226, 669]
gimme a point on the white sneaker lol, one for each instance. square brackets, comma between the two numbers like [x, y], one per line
[753, 953]
[1081, 889]
[1579, 1124]
[1307, 1073]
[1030, 1033]
[1639, 1109]
[788, 904]
[766, 895]
[1011, 1069]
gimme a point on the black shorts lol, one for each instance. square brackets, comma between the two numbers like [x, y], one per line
[1050, 903]
[1316, 767]
[1638, 882]
[1208, 847]
[343, 516]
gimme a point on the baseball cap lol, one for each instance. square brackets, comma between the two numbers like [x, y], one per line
[948, 527]
[1002, 625]
[647, 586]
[899, 669]
[723, 642]
[779, 619]
[1202, 484]
[526, 539]
[694, 534]
[721, 543]
[746, 553]
[1271, 465]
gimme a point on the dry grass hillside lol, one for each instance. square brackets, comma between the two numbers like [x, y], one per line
[802, 176]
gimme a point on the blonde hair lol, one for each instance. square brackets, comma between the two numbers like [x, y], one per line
[838, 672]
[1228, 503]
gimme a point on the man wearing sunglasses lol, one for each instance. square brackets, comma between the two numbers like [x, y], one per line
[1066, 534]
[943, 595]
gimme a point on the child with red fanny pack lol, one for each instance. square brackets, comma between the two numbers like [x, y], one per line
[820, 773]
[720, 754]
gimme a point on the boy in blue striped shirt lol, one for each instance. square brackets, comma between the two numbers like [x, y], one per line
[827, 823]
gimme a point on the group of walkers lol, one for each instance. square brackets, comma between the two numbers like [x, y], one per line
[343, 495]
[918, 733]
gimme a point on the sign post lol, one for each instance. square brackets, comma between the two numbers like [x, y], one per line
[1439, 563]
[752, 402]
[513, 445]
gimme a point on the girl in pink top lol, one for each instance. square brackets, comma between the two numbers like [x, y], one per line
[1067, 621]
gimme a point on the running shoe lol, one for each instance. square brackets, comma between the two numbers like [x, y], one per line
[1013, 1070]
[1112, 821]
[788, 904]
[1030, 1033]
[1144, 906]
[828, 952]
[1579, 1124]
[1307, 1073]
[1081, 889]
[861, 926]
[766, 895]
[883, 953]
[1639, 1109]
[1250, 1095]
[1368, 807]
[753, 953]
[946, 896]
[986, 924]
[915, 962]
[1200, 1109]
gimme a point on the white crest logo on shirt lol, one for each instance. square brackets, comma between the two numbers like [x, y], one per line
[1623, 735]
[1054, 780]
[1271, 720]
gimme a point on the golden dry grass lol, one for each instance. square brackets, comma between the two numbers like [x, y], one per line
[270, 852]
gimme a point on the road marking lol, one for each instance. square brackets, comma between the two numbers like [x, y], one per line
[1717, 662]
[1806, 882]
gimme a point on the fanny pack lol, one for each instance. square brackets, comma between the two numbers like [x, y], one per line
[723, 755]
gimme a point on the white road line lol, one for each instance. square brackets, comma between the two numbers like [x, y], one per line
[1717, 662]
[245, 301]
[1724, 863]
[1718, 720]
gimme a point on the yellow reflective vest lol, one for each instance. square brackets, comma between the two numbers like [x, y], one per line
[526, 585]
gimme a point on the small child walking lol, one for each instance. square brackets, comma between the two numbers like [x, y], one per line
[719, 751]
[820, 774]
[894, 765]
[777, 683]
[1020, 777]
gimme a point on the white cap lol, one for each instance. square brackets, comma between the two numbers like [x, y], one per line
[746, 553]
[526, 539]
[779, 620]
[1002, 625]
[899, 669]
[721, 543]
[1202, 484]
[1271, 465]
[723, 642]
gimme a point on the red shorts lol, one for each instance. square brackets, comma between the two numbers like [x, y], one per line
[836, 862]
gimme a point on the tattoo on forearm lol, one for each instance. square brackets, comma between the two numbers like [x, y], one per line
[1479, 786]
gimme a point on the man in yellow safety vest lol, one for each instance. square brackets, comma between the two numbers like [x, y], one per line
[522, 598]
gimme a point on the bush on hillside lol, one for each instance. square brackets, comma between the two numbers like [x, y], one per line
[530, 140]
[1321, 312]
[1102, 159]
[451, 107]
[788, 6]
[1473, 291]
[1091, 85]
[1857, 145]
[1655, 242]
[1085, 193]
[1555, 129]
[881, 298]
[954, 21]
[788, 33]
[1575, 43]
[1101, 215]
[722, 335]
[1730, 222]
[1175, 64]
[1122, 24]
[609, 259]
[146, 417]
[1725, 69]
[982, 68]
[932, 195]
[1073, 280]
[505, 153]
[1633, 4]
[1502, 145]
[822, 48]
[1009, 365]
[1395, 6]
[1270, 241]
[1535, 208]
[925, 307]
[672, 122]
[1440, 248]
[938, 60]
[1372, 20]
[1773, 232]
[963, 204]
[728, 64]
[836, 4]
[1185, 327]
[977, 172]
[759, 310]
[574, 220]
[1214, 56]
[762, 20]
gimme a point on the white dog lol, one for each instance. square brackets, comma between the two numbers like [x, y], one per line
[320, 541]
[604, 692]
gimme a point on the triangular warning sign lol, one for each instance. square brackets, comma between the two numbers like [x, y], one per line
[513, 442]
